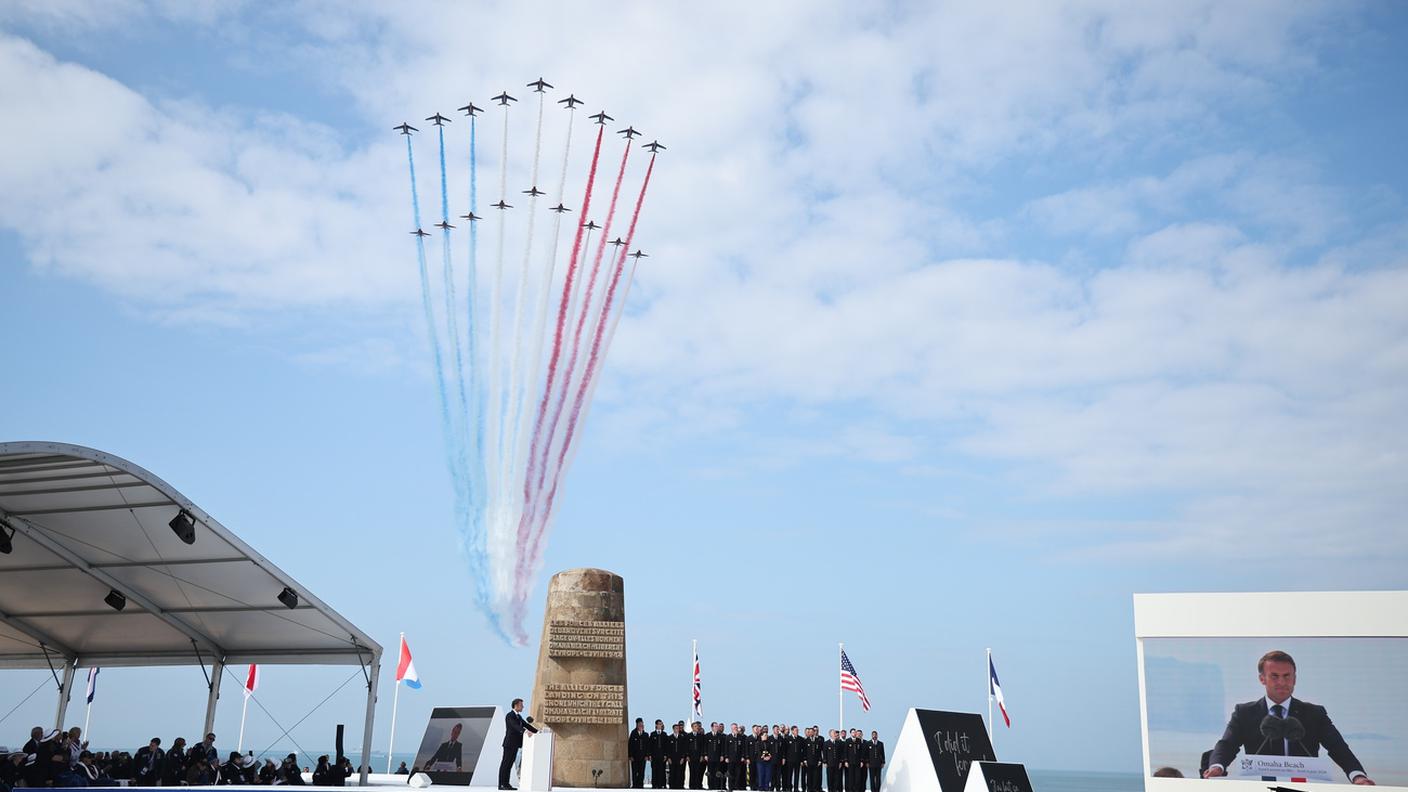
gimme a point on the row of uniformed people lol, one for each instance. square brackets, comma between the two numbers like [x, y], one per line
[787, 760]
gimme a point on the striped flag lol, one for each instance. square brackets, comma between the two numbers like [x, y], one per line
[698, 693]
[251, 680]
[405, 669]
[851, 681]
[995, 692]
[92, 682]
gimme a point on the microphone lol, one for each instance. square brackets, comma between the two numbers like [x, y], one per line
[1272, 728]
[1295, 732]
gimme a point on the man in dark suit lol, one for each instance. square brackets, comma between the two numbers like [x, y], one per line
[514, 728]
[638, 749]
[1277, 673]
[148, 761]
[451, 751]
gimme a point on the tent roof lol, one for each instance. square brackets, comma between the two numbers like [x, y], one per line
[87, 523]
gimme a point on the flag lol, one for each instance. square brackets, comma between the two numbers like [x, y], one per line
[405, 669]
[92, 682]
[995, 691]
[851, 681]
[251, 680]
[698, 692]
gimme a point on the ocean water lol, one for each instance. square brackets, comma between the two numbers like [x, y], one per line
[1076, 781]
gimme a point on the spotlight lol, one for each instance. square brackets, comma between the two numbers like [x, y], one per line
[7, 538]
[184, 527]
[115, 600]
[289, 598]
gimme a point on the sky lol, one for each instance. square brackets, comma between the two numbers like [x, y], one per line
[963, 323]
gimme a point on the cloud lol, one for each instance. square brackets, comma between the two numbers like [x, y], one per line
[861, 212]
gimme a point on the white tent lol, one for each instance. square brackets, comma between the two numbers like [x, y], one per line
[81, 524]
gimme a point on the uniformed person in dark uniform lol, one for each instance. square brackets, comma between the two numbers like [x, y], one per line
[679, 753]
[636, 750]
[718, 755]
[698, 758]
[795, 749]
[659, 756]
[752, 755]
[834, 756]
[855, 762]
[733, 758]
[876, 761]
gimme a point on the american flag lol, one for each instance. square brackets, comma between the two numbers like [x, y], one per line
[851, 681]
[698, 696]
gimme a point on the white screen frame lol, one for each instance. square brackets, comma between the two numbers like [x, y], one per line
[1292, 614]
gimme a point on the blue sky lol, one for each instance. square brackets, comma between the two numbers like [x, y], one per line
[962, 326]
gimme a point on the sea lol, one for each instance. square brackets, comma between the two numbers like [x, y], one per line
[1078, 781]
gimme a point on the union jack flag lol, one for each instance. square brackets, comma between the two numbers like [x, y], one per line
[851, 681]
[698, 697]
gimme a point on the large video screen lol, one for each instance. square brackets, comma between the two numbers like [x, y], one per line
[454, 738]
[1343, 699]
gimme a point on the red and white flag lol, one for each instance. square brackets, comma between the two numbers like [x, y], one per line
[995, 691]
[251, 680]
[405, 669]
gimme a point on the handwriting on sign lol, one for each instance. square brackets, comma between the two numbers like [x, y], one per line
[598, 639]
[1004, 786]
[955, 743]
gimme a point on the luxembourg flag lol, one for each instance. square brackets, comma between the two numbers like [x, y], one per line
[995, 690]
[405, 669]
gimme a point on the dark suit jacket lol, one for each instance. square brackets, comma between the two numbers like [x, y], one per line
[450, 752]
[1244, 733]
[514, 725]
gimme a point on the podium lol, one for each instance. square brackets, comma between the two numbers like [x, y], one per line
[535, 772]
[1300, 769]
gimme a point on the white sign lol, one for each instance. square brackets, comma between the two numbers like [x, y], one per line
[1284, 768]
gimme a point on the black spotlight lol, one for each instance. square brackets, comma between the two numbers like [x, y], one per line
[289, 598]
[7, 538]
[184, 527]
[115, 600]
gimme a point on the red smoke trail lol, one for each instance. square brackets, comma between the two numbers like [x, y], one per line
[593, 362]
[557, 332]
[544, 441]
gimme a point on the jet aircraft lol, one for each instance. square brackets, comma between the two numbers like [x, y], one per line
[653, 146]
[539, 84]
[437, 120]
[534, 191]
[504, 98]
[471, 217]
[571, 101]
[501, 205]
[470, 109]
[638, 255]
[419, 232]
[618, 242]
[590, 225]
[443, 225]
[405, 128]
[602, 118]
[629, 132]
[560, 209]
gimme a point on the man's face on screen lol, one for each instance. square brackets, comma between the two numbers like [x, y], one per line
[1279, 678]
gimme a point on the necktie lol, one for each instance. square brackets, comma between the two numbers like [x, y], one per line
[1280, 712]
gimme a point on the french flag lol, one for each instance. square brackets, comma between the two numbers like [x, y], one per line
[995, 690]
[405, 669]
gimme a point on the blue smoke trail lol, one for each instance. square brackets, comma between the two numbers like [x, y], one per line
[454, 449]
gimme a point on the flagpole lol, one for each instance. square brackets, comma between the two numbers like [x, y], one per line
[86, 716]
[988, 671]
[840, 694]
[693, 659]
[243, 712]
[395, 701]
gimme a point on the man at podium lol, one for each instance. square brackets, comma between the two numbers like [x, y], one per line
[1253, 725]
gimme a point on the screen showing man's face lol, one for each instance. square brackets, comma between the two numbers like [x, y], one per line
[1279, 679]
[455, 733]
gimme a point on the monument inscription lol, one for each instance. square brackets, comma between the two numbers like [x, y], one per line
[602, 639]
[568, 703]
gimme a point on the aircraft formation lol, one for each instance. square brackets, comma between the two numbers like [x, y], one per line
[518, 348]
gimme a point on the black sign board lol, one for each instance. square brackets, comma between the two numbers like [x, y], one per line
[956, 740]
[1005, 777]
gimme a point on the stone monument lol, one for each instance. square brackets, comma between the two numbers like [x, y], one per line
[580, 686]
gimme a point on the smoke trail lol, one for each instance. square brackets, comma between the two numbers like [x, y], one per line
[562, 312]
[497, 546]
[517, 372]
[591, 378]
[433, 330]
[533, 373]
[451, 303]
[526, 522]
